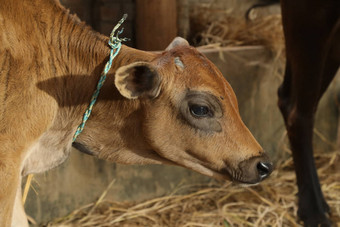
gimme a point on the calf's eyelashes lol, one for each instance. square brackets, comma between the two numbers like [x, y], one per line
[201, 110]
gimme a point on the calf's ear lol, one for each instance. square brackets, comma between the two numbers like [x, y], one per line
[178, 41]
[139, 79]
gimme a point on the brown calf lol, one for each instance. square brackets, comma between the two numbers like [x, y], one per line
[169, 108]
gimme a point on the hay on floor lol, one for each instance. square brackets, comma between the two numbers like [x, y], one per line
[271, 203]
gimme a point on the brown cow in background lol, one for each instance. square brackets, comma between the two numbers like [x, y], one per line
[312, 34]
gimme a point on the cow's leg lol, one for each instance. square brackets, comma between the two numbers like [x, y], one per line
[9, 181]
[305, 81]
[299, 124]
[19, 218]
[331, 62]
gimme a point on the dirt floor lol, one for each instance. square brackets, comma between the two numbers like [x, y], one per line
[271, 203]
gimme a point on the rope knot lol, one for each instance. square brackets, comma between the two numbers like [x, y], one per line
[115, 41]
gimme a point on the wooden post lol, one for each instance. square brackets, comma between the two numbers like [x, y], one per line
[183, 18]
[156, 23]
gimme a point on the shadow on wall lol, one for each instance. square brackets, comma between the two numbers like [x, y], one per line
[102, 15]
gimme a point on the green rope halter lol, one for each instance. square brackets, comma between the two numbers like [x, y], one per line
[115, 43]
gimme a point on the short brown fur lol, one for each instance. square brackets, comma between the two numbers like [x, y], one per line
[50, 63]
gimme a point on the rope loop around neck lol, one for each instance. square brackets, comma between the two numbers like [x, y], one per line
[115, 44]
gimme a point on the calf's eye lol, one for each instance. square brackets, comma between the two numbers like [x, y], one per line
[200, 111]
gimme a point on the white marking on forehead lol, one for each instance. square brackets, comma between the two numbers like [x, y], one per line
[178, 62]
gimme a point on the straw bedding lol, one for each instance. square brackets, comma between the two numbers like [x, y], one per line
[227, 28]
[271, 203]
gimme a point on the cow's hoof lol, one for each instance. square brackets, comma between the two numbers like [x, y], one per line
[312, 214]
[324, 223]
[316, 221]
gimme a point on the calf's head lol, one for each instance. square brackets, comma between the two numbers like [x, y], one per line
[190, 115]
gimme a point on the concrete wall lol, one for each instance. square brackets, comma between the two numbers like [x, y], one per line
[255, 79]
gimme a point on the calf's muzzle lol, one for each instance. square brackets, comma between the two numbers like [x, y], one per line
[254, 169]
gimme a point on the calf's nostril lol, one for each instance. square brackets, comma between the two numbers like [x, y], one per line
[264, 169]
